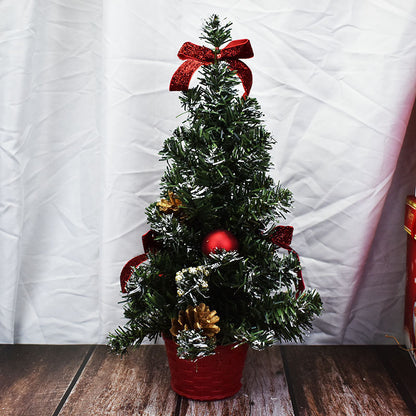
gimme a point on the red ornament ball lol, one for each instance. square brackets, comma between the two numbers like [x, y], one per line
[219, 239]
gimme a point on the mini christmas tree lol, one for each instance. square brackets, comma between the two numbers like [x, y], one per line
[214, 273]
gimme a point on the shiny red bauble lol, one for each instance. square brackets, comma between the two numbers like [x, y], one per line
[219, 240]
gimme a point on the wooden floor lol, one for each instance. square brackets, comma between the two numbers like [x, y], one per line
[42, 380]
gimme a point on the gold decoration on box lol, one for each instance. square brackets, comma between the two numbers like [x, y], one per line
[171, 206]
[198, 318]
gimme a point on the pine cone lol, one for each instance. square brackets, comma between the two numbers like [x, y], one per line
[198, 318]
[170, 206]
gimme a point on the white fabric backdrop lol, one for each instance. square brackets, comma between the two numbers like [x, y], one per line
[84, 110]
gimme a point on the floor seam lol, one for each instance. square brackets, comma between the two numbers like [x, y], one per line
[74, 381]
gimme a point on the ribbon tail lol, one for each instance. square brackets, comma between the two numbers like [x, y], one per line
[282, 237]
[300, 287]
[301, 284]
[127, 271]
[244, 73]
[182, 76]
[149, 242]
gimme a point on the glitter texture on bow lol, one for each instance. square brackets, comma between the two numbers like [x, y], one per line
[196, 55]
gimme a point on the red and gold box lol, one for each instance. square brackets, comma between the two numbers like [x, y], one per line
[410, 300]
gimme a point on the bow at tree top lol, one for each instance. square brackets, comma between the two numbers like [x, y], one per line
[196, 55]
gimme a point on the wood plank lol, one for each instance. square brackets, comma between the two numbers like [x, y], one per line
[136, 384]
[265, 383]
[34, 378]
[340, 380]
[402, 371]
[264, 391]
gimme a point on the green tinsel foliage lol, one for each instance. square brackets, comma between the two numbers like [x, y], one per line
[193, 345]
[218, 165]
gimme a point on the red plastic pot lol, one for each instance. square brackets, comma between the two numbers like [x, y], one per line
[210, 378]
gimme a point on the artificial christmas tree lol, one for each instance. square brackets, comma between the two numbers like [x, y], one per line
[213, 274]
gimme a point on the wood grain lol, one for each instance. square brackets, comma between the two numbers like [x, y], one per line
[402, 371]
[34, 378]
[137, 384]
[341, 380]
[47, 380]
[264, 391]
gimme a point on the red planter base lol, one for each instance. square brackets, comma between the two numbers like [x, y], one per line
[210, 378]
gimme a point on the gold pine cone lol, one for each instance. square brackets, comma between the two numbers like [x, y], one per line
[172, 205]
[198, 318]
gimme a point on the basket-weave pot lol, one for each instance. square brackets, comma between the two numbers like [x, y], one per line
[210, 378]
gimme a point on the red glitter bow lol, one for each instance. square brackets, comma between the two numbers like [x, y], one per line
[195, 56]
[282, 237]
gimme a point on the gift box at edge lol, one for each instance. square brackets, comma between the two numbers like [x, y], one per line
[410, 300]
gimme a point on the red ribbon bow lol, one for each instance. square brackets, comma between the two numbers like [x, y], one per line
[195, 56]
